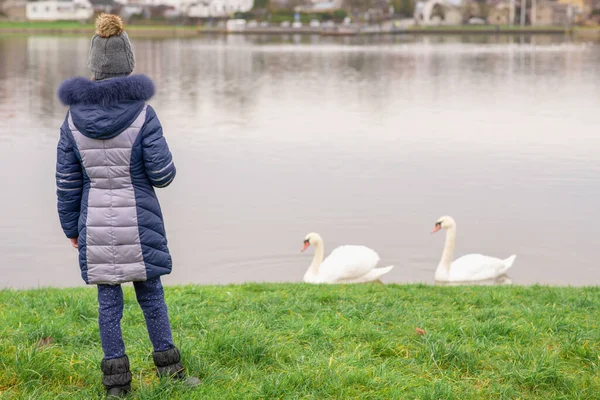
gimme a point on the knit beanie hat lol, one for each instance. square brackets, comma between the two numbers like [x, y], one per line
[111, 54]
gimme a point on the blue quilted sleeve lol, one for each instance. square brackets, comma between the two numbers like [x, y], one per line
[158, 160]
[69, 183]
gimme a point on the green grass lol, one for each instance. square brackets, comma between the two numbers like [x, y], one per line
[45, 25]
[271, 341]
[276, 18]
[73, 25]
[489, 28]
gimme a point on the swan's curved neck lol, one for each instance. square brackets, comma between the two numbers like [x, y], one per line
[448, 253]
[318, 258]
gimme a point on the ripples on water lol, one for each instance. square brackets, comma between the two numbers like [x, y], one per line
[366, 141]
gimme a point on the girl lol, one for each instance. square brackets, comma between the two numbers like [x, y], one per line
[111, 155]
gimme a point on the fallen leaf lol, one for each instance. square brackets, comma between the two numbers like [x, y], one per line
[47, 341]
[419, 331]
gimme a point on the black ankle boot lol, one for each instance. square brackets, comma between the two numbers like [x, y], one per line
[117, 376]
[168, 364]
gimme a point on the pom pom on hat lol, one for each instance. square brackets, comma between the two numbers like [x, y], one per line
[111, 53]
[108, 25]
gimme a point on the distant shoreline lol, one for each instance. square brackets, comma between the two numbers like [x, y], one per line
[71, 28]
[81, 29]
[376, 32]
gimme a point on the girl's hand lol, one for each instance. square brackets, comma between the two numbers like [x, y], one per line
[73, 242]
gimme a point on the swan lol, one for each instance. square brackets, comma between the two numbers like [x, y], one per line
[471, 267]
[345, 264]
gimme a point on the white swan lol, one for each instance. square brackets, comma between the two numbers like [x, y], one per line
[345, 264]
[472, 267]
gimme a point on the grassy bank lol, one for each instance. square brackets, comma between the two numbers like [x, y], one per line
[78, 25]
[488, 29]
[71, 27]
[66, 27]
[297, 341]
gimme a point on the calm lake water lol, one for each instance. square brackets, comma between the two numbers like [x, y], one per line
[366, 141]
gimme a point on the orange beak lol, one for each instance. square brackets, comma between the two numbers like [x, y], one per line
[437, 228]
[305, 246]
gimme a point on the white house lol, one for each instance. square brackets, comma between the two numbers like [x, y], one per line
[438, 12]
[216, 8]
[56, 10]
[142, 3]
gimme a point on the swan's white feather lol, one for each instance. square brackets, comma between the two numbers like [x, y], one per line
[475, 267]
[345, 264]
[348, 262]
[370, 276]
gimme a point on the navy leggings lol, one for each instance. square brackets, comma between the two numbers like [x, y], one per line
[151, 297]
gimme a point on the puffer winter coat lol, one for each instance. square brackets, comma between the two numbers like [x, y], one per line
[111, 154]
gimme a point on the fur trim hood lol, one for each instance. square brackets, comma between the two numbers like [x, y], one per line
[106, 92]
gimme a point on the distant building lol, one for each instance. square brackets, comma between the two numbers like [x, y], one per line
[499, 15]
[217, 8]
[101, 6]
[322, 6]
[145, 3]
[54, 10]
[551, 13]
[59, 10]
[437, 12]
[580, 5]
[14, 9]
